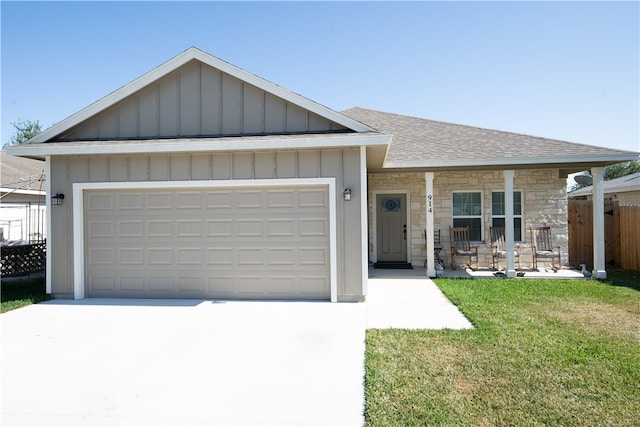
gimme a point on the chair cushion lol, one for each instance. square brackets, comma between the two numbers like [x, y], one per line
[547, 253]
[463, 252]
[504, 253]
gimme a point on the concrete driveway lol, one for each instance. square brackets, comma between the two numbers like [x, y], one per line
[183, 362]
[193, 362]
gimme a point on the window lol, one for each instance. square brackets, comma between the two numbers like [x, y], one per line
[498, 212]
[467, 212]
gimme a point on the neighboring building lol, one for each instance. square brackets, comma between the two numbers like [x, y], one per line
[625, 190]
[202, 180]
[22, 199]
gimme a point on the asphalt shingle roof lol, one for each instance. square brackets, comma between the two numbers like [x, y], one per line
[416, 139]
[21, 173]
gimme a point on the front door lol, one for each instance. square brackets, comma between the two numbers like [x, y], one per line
[391, 214]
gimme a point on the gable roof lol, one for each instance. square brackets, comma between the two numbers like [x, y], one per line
[422, 143]
[194, 54]
[618, 185]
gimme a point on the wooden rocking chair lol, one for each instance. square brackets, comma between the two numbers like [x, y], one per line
[461, 246]
[499, 247]
[541, 239]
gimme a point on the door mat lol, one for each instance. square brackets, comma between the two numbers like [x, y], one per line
[393, 265]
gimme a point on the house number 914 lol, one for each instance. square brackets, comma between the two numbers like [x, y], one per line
[429, 205]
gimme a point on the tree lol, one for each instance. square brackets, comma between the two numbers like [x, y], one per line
[24, 130]
[621, 169]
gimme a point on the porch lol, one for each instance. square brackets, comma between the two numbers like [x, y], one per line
[412, 211]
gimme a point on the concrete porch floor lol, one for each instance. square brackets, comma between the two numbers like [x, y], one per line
[529, 273]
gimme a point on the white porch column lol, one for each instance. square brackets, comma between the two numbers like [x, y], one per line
[508, 222]
[599, 271]
[431, 267]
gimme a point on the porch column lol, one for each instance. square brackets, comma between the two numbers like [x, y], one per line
[599, 271]
[508, 222]
[431, 267]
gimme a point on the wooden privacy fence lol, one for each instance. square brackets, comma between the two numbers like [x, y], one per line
[621, 234]
[23, 259]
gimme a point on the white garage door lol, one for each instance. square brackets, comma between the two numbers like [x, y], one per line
[248, 243]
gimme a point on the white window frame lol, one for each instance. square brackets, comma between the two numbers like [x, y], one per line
[480, 216]
[503, 216]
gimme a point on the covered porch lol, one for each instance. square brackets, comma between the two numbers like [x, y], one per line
[428, 203]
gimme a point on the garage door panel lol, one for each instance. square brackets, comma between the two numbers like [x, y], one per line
[160, 256]
[268, 243]
[97, 202]
[131, 256]
[312, 198]
[313, 227]
[281, 256]
[190, 284]
[130, 201]
[130, 228]
[101, 229]
[132, 283]
[189, 200]
[280, 199]
[189, 228]
[101, 256]
[189, 256]
[219, 227]
[157, 285]
[102, 283]
[159, 201]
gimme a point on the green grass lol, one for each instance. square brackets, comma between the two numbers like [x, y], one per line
[20, 293]
[543, 352]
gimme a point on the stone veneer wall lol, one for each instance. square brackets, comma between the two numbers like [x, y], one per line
[544, 203]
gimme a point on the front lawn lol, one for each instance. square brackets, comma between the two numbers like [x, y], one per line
[22, 292]
[543, 352]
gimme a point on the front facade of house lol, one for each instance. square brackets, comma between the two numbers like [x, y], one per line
[540, 200]
[200, 180]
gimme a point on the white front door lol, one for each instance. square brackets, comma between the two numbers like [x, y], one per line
[391, 214]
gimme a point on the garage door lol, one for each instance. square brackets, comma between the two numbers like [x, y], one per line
[247, 243]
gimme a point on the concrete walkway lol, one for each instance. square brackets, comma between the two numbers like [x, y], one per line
[407, 299]
[194, 362]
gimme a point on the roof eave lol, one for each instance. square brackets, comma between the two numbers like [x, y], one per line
[572, 162]
[187, 145]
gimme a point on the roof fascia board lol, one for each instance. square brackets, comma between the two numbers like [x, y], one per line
[511, 161]
[199, 145]
[20, 191]
[175, 63]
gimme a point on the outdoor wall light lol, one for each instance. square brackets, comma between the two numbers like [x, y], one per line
[57, 199]
[347, 194]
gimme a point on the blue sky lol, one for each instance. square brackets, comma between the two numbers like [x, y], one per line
[563, 70]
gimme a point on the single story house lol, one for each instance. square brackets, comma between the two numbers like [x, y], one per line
[22, 199]
[625, 190]
[202, 180]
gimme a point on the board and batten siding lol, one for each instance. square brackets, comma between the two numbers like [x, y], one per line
[199, 100]
[343, 164]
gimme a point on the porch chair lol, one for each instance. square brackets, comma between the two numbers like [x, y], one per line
[499, 247]
[437, 248]
[461, 246]
[541, 241]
